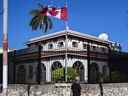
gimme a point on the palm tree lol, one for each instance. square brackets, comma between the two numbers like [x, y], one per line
[40, 19]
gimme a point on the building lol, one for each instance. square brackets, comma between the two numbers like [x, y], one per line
[10, 65]
[119, 65]
[85, 53]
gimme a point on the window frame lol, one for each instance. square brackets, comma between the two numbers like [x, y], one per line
[50, 46]
[59, 44]
[74, 45]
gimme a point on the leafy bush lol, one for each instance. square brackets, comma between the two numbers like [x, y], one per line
[115, 76]
[58, 74]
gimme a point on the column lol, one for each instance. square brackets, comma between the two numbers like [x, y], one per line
[48, 71]
[85, 71]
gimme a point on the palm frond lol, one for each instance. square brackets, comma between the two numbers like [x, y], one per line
[50, 23]
[39, 20]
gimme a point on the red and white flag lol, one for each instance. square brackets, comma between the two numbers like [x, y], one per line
[60, 13]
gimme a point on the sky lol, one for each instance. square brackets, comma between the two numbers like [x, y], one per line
[87, 16]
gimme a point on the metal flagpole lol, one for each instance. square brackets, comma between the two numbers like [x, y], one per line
[5, 47]
[66, 57]
[66, 43]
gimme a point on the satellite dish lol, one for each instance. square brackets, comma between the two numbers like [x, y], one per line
[103, 36]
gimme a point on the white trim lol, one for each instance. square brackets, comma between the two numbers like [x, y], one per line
[71, 32]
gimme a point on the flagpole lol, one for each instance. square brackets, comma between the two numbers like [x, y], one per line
[66, 21]
[5, 47]
[66, 42]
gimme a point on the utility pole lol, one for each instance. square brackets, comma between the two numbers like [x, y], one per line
[5, 47]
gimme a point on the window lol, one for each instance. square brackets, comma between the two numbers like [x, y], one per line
[103, 49]
[21, 74]
[85, 46]
[50, 46]
[74, 44]
[60, 44]
[42, 47]
[94, 47]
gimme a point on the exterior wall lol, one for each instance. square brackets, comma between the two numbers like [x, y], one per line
[71, 60]
[11, 71]
[116, 89]
[80, 43]
[101, 64]
[98, 47]
[48, 64]
[26, 65]
[55, 44]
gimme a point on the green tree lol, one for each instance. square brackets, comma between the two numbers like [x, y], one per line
[43, 22]
[40, 19]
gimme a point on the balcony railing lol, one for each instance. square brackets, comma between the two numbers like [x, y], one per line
[28, 53]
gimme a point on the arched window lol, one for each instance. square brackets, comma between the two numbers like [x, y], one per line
[50, 46]
[84, 46]
[56, 65]
[105, 73]
[80, 69]
[21, 74]
[30, 76]
[56, 74]
[74, 44]
[93, 73]
[60, 44]
[43, 73]
[103, 49]
[94, 47]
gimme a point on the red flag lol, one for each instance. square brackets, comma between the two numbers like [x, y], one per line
[53, 11]
[64, 13]
[60, 13]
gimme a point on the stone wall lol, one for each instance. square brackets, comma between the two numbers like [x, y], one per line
[115, 89]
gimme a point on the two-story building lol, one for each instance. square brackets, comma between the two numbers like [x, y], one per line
[85, 53]
[88, 54]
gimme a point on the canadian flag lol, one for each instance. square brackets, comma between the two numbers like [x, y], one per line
[60, 13]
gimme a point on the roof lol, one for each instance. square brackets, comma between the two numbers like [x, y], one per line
[61, 33]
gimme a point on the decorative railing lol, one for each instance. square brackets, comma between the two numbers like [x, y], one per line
[34, 53]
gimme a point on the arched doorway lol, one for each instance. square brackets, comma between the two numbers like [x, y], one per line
[30, 76]
[56, 65]
[105, 71]
[80, 69]
[93, 72]
[21, 74]
[43, 73]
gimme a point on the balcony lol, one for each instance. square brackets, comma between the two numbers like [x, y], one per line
[33, 54]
